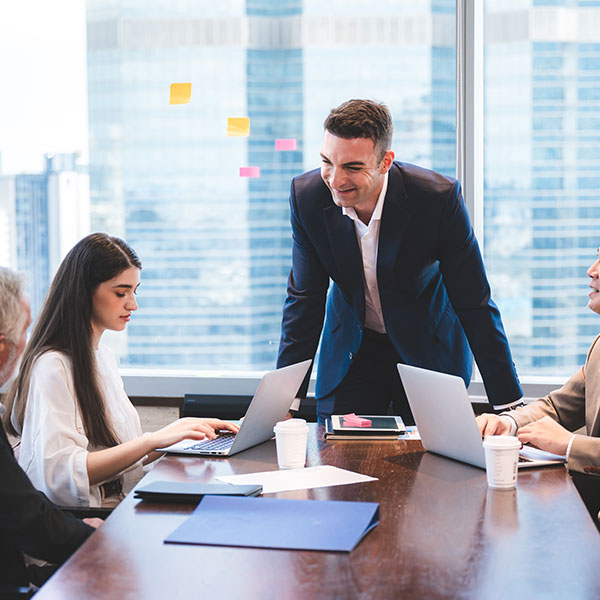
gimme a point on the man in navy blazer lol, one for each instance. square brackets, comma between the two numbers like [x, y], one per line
[408, 281]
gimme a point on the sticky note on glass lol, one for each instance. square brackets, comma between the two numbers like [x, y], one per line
[285, 144]
[180, 93]
[238, 126]
[249, 171]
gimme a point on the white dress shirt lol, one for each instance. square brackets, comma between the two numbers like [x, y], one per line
[54, 445]
[368, 242]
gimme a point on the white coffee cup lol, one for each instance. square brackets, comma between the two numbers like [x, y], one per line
[290, 438]
[501, 461]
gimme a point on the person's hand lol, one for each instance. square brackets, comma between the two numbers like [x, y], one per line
[490, 424]
[93, 522]
[192, 428]
[546, 434]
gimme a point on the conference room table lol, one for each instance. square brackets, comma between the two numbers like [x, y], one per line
[442, 534]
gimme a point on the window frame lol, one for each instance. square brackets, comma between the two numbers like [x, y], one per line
[470, 172]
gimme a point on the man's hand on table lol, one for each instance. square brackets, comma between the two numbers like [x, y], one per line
[93, 522]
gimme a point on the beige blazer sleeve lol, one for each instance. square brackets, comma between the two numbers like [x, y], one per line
[574, 405]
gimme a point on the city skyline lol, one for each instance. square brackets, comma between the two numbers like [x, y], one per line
[215, 247]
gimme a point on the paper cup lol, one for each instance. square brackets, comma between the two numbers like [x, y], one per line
[501, 461]
[290, 439]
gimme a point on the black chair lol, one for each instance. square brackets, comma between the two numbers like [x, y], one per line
[87, 512]
[11, 592]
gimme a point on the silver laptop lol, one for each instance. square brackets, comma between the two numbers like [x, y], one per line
[270, 404]
[446, 422]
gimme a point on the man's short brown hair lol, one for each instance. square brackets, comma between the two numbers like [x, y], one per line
[362, 119]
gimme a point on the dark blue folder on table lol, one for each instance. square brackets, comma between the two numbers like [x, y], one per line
[277, 523]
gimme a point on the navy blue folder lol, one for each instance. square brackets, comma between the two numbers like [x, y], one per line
[277, 523]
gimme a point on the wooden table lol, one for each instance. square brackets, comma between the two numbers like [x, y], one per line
[443, 534]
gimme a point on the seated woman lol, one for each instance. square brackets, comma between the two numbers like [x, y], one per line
[81, 438]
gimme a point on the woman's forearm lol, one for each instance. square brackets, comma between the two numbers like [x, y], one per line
[103, 465]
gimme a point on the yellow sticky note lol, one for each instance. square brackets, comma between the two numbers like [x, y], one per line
[180, 93]
[238, 126]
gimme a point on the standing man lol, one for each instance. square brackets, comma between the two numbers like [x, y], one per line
[408, 278]
[29, 522]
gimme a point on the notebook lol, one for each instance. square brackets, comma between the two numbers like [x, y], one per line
[444, 416]
[270, 404]
[191, 491]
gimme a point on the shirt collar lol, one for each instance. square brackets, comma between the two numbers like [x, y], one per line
[376, 216]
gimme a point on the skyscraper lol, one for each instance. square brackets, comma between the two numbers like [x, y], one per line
[216, 247]
[542, 216]
[43, 215]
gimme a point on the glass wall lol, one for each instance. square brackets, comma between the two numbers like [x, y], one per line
[216, 247]
[542, 175]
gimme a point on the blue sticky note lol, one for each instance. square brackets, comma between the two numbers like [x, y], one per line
[276, 523]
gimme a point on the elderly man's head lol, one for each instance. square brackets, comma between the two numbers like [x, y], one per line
[15, 318]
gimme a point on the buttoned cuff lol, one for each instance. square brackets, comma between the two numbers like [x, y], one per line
[568, 452]
[510, 422]
[509, 405]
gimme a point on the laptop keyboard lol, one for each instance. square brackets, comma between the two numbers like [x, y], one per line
[219, 443]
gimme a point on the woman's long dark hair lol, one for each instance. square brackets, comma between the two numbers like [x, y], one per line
[64, 324]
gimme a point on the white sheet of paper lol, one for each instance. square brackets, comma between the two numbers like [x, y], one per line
[285, 480]
[537, 454]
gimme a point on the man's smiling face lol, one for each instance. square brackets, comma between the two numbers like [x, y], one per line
[354, 171]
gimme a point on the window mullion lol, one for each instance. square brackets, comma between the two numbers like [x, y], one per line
[469, 107]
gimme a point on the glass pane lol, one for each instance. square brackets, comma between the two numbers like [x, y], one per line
[215, 247]
[542, 165]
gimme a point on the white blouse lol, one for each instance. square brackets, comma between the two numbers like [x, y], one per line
[54, 445]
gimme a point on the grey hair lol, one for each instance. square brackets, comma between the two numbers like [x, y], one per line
[12, 291]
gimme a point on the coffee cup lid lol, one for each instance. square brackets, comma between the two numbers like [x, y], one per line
[291, 425]
[502, 442]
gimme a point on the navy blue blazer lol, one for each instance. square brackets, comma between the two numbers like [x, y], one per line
[435, 297]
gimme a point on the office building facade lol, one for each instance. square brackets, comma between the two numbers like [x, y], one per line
[216, 248]
[542, 215]
[42, 215]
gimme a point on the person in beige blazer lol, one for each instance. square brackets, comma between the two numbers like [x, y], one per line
[550, 423]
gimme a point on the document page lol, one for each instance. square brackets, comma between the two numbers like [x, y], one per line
[298, 479]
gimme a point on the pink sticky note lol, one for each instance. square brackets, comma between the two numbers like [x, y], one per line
[285, 144]
[249, 171]
[357, 423]
[353, 421]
